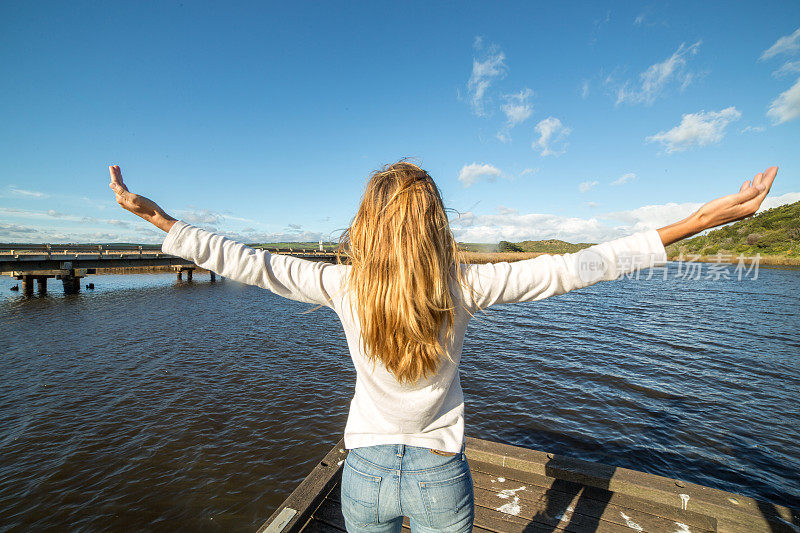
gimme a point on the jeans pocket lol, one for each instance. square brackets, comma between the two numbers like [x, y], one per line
[359, 496]
[449, 502]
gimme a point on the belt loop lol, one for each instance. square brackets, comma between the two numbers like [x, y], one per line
[400, 450]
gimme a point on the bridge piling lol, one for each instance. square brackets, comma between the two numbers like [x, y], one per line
[72, 284]
[41, 284]
[27, 285]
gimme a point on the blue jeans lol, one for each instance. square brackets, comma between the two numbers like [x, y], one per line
[383, 483]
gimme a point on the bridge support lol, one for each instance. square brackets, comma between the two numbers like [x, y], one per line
[213, 276]
[28, 279]
[188, 270]
[27, 285]
[72, 284]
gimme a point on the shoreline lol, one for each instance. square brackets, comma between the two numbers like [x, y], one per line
[764, 260]
[144, 270]
[497, 257]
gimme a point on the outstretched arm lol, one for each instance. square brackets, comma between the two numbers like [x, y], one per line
[548, 275]
[723, 210]
[290, 277]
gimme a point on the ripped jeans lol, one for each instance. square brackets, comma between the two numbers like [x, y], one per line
[383, 483]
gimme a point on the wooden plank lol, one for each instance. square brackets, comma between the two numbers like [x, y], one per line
[488, 519]
[311, 491]
[559, 494]
[733, 512]
[279, 524]
[573, 512]
[330, 512]
[315, 526]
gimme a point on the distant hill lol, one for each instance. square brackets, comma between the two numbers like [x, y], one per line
[551, 246]
[548, 246]
[328, 246]
[773, 232]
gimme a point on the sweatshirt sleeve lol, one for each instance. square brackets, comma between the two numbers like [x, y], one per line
[549, 275]
[290, 277]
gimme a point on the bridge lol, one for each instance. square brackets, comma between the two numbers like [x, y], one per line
[70, 262]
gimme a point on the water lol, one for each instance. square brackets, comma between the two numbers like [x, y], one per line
[158, 405]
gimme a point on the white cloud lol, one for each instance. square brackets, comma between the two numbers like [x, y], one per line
[588, 185]
[472, 173]
[696, 129]
[752, 129]
[790, 67]
[775, 201]
[625, 178]
[590, 204]
[638, 20]
[585, 90]
[22, 192]
[658, 76]
[201, 216]
[529, 171]
[533, 226]
[485, 70]
[517, 110]
[551, 136]
[650, 217]
[503, 210]
[788, 44]
[86, 229]
[786, 106]
[9, 232]
[265, 237]
[464, 219]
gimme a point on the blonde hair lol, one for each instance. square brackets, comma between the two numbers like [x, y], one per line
[404, 258]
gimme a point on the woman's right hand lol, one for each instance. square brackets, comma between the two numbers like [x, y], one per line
[723, 210]
[740, 205]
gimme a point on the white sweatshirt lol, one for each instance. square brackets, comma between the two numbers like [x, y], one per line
[429, 413]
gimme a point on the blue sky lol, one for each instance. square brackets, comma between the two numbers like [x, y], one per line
[563, 120]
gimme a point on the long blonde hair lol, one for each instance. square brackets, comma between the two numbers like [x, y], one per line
[404, 258]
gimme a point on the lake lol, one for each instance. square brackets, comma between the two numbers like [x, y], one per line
[153, 404]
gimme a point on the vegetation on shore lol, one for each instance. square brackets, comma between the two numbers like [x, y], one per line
[291, 246]
[547, 246]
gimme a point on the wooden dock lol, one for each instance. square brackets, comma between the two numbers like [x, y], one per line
[522, 490]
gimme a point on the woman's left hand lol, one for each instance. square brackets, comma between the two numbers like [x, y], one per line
[137, 204]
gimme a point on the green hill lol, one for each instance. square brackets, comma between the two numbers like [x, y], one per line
[552, 246]
[548, 246]
[774, 232]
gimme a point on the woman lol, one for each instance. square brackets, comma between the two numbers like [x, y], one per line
[404, 301]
